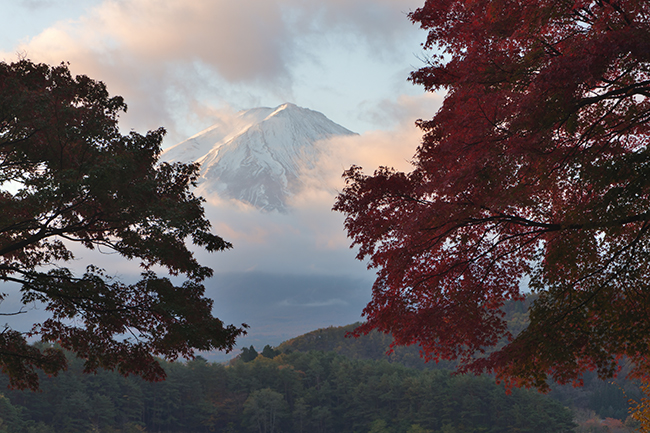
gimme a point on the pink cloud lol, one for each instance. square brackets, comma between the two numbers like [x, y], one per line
[168, 56]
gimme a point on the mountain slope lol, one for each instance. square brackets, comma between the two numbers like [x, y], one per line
[261, 156]
[605, 398]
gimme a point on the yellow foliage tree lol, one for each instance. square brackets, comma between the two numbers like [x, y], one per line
[640, 410]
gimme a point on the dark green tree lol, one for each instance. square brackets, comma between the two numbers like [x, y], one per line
[379, 426]
[264, 409]
[68, 176]
[10, 416]
[300, 413]
[248, 354]
[269, 352]
[201, 397]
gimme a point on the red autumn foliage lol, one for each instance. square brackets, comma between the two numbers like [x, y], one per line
[536, 168]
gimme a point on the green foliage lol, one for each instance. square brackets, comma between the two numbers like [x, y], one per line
[269, 352]
[604, 398]
[379, 426]
[264, 409]
[417, 428]
[378, 345]
[69, 177]
[297, 392]
[374, 345]
[248, 354]
[10, 416]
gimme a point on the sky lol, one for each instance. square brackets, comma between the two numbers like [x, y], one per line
[185, 64]
[179, 62]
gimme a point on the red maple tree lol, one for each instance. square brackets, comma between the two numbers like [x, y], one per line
[535, 172]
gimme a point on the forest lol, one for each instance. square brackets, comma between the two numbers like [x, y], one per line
[322, 381]
[598, 405]
[294, 391]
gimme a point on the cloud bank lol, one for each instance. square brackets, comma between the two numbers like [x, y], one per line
[173, 60]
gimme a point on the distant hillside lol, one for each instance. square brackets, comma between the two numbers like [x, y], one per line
[376, 344]
[372, 346]
[604, 398]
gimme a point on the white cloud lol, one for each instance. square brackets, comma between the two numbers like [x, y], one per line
[170, 57]
[393, 147]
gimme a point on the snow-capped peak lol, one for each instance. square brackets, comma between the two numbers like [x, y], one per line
[259, 156]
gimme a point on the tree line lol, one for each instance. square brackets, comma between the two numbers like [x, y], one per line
[603, 398]
[292, 392]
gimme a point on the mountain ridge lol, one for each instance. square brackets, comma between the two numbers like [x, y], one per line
[261, 156]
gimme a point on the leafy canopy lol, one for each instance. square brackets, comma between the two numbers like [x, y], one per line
[68, 176]
[536, 168]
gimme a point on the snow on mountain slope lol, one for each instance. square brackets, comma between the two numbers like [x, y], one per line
[200, 144]
[260, 157]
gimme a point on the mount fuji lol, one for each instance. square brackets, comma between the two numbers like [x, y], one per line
[261, 157]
